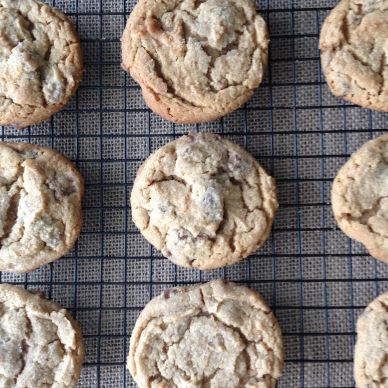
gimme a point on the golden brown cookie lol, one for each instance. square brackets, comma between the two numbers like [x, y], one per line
[203, 201]
[195, 61]
[40, 343]
[371, 351]
[211, 335]
[40, 206]
[354, 41]
[360, 197]
[40, 62]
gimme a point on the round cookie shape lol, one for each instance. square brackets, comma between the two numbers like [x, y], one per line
[371, 350]
[211, 335]
[40, 206]
[40, 343]
[360, 197]
[195, 60]
[353, 45]
[203, 201]
[40, 62]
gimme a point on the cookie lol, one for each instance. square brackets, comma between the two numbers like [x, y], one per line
[203, 201]
[195, 61]
[40, 206]
[40, 62]
[353, 44]
[371, 351]
[40, 343]
[360, 197]
[211, 335]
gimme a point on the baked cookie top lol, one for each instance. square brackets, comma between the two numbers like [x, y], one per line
[360, 197]
[371, 351]
[203, 201]
[40, 206]
[40, 61]
[354, 41]
[211, 335]
[40, 344]
[195, 60]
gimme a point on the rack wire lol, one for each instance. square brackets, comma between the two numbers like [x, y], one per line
[316, 280]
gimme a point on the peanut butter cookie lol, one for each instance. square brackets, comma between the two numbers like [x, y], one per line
[40, 206]
[203, 201]
[40, 62]
[371, 351]
[195, 60]
[40, 344]
[211, 335]
[354, 41]
[360, 197]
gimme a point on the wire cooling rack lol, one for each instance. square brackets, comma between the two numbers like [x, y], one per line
[316, 280]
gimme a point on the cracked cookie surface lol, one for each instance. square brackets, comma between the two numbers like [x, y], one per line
[195, 60]
[40, 62]
[40, 206]
[354, 52]
[40, 344]
[203, 201]
[360, 197]
[211, 335]
[371, 351]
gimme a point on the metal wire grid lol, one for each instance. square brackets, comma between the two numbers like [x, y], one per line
[316, 280]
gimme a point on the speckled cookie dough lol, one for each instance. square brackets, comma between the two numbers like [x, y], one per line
[40, 61]
[195, 60]
[371, 351]
[354, 49]
[211, 335]
[40, 206]
[40, 344]
[203, 201]
[360, 197]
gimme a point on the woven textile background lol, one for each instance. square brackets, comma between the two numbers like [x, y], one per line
[316, 280]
